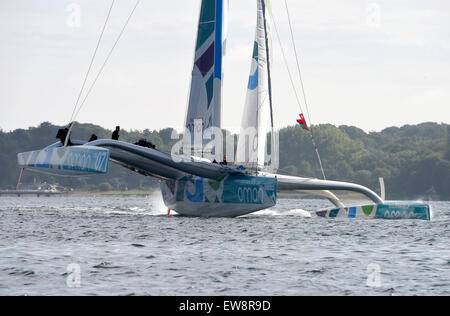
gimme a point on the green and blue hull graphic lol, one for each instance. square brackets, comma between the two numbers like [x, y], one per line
[229, 197]
[387, 210]
[77, 160]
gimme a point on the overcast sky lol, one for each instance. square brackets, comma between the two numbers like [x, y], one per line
[371, 64]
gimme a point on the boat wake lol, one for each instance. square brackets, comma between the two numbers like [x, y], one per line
[156, 205]
[293, 212]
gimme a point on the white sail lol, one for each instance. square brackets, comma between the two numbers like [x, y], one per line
[257, 119]
[205, 99]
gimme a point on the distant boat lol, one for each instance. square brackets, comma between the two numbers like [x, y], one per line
[195, 186]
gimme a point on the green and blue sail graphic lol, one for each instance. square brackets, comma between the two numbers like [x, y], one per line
[205, 94]
[253, 79]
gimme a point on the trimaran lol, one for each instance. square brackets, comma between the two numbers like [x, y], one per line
[195, 186]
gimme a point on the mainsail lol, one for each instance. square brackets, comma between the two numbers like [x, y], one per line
[205, 100]
[257, 119]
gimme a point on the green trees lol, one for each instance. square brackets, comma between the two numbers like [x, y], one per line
[35, 138]
[414, 160]
[447, 154]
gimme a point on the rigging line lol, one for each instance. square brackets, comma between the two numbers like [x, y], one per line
[286, 64]
[318, 155]
[297, 60]
[108, 57]
[303, 90]
[296, 94]
[92, 60]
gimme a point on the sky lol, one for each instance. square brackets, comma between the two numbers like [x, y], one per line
[371, 64]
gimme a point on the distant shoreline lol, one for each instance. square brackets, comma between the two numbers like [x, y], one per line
[113, 193]
[153, 191]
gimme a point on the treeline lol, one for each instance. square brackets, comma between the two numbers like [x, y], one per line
[35, 138]
[414, 160]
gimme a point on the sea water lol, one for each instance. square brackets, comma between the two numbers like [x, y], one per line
[129, 246]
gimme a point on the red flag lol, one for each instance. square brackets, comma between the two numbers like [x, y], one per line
[302, 122]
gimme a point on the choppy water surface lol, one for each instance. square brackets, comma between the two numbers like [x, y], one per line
[126, 245]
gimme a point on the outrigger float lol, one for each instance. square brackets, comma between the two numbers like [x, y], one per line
[194, 186]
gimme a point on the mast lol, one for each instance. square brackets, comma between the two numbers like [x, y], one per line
[268, 64]
[218, 55]
[272, 145]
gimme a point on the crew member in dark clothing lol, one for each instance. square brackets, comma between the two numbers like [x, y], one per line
[145, 143]
[93, 137]
[224, 162]
[62, 135]
[115, 134]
